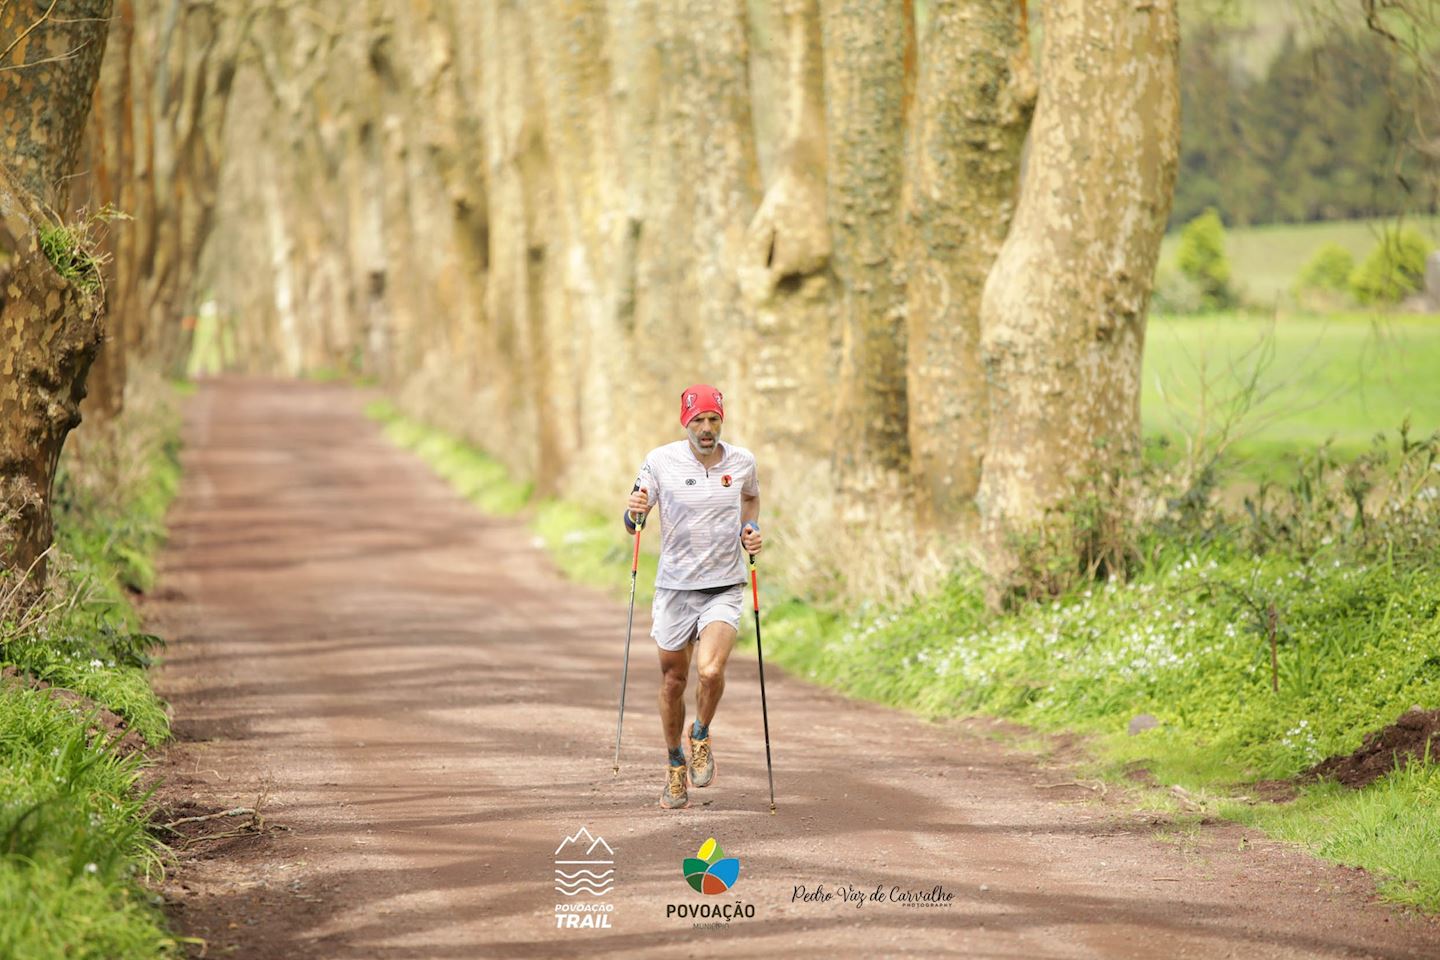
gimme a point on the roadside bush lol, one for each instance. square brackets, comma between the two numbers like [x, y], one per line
[1393, 270]
[1381, 505]
[1328, 270]
[1202, 260]
[1263, 640]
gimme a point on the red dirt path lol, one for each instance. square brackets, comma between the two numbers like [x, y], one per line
[428, 710]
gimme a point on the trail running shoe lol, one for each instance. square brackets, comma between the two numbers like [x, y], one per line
[702, 765]
[675, 796]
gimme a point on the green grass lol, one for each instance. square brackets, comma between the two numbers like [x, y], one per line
[1357, 649]
[74, 848]
[1356, 642]
[1267, 260]
[72, 841]
[1377, 828]
[1177, 644]
[1339, 378]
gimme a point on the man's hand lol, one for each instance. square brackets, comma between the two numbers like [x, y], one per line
[638, 504]
[750, 538]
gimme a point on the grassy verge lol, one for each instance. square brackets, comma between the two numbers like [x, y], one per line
[74, 850]
[1186, 643]
[1357, 648]
[1390, 828]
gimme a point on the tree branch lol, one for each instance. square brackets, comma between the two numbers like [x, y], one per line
[57, 59]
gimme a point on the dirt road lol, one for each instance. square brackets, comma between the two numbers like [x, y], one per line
[427, 710]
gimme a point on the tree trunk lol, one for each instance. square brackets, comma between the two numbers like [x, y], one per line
[726, 174]
[49, 332]
[975, 96]
[152, 153]
[1063, 313]
[49, 326]
[784, 267]
[572, 347]
[869, 68]
[105, 178]
[49, 59]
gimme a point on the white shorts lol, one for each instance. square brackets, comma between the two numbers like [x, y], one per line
[678, 616]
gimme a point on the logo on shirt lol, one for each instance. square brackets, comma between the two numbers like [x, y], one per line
[689, 481]
[725, 480]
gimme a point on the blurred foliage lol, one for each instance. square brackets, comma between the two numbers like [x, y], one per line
[1329, 270]
[1393, 270]
[1202, 260]
[1320, 133]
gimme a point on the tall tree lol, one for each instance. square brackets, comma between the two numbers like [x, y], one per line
[976, 93]
[784, 267]
[1216, 169]
[587, 215]
[1063, 312]
[152, 153]
[869, 89]
[49, 323]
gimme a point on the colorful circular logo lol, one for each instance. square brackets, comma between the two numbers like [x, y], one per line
[710, 871]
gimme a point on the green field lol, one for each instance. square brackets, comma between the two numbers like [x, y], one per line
[1267, 260]
[1341, 378]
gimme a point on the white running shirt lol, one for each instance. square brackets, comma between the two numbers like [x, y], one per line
[699, 514]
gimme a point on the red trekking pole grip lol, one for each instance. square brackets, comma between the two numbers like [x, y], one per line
[754, 583]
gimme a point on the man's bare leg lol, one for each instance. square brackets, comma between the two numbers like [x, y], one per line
[674, 674]
[717, 641]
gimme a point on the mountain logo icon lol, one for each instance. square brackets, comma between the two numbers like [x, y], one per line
[710, 871]
[584, 866]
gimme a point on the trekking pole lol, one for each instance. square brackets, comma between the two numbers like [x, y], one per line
[629, 626]
[760, 657]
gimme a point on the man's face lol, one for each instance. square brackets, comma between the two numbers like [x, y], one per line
[704, 432]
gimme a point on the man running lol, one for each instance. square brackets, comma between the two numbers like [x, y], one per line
[709, 499]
